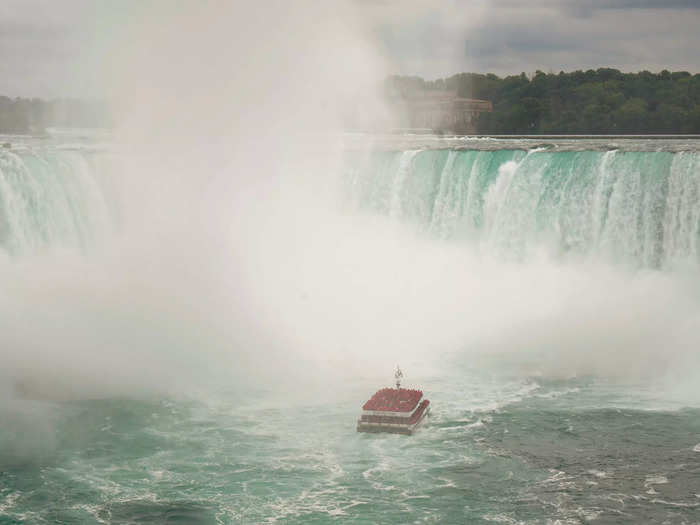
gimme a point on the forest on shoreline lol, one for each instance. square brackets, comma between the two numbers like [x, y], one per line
[602, 101]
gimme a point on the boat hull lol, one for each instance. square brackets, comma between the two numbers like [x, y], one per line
[392, 428]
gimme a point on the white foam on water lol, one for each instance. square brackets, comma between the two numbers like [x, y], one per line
[485, 399]
[558, 393]
[655, 480]
[371, 473]
[696, 448]
[675, 504]
[93, 510]
[557, 475]
[650, 481]
[560, 479]
[310, 502]
[598, 473]
[501, 518]
[447, 483]
[10, 500]
[477, 424]
[589, 514]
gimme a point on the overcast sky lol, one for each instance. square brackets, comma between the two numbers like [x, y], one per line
[54, 48]
[510, 36]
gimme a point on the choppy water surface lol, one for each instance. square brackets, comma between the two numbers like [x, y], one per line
[495, 449]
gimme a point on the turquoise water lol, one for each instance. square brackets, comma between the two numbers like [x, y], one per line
[496, 449]
[638, 207]
[545, 301]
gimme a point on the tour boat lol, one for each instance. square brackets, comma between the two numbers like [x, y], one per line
[394, 410]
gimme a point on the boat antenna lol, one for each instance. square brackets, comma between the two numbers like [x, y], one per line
[398, 375]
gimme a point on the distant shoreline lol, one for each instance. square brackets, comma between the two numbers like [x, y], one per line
[590, 137]
[548, 136]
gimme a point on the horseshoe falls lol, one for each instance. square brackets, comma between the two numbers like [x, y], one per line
[637, 207]
[640, 208]
[190, 340]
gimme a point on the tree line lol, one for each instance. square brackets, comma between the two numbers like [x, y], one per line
[602, 101]
[33, 116]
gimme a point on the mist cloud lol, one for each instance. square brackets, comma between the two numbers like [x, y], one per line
[234, 258]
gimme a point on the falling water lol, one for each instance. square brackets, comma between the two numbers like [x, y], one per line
[49, 199]
[640, 207]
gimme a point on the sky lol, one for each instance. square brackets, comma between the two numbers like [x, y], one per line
[438, 39]
[51, 48]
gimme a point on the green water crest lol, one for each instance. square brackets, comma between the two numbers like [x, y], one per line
[640, 207]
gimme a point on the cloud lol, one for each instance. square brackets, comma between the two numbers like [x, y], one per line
[641, 4]
[594, 5]
[586, 8]
[62, 52]
[509, 36]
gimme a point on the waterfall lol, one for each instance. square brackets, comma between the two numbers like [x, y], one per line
[48, 199]
[639, 207]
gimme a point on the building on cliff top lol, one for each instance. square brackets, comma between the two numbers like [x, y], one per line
[438, 111]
